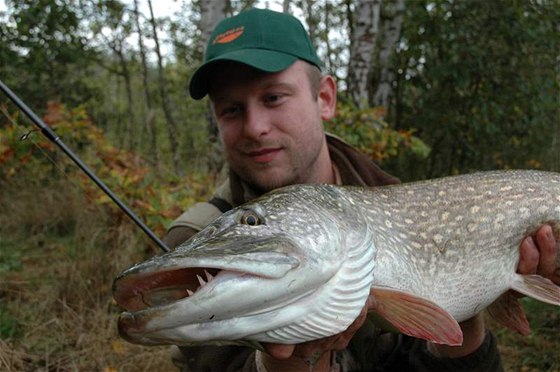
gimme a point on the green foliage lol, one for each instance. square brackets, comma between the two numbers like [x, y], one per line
[45, 54]
[156, 201]
[364, 129]
[478, 79]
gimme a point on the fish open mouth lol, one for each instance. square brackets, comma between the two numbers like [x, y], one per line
[136, 292]
[167, 279]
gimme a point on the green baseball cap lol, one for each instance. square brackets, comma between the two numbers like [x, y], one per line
[266, 40]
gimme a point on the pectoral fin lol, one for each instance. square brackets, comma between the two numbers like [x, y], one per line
[416, 316]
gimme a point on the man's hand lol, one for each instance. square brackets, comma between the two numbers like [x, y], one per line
[538, 254]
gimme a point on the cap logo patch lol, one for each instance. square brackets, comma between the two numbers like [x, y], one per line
[229, 35]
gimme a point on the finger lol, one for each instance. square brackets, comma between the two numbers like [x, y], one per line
[359, 321]
[335, 342]
[555, 277]
[308, 349]
[547, 251]
[279, 351]
[528, 257]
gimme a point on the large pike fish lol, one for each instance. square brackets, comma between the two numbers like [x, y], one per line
[299, 263]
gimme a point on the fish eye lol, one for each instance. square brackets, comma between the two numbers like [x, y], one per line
[250, 218]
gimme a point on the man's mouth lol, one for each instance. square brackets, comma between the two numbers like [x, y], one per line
[264, 155]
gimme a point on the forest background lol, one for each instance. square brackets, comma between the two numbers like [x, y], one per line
[427, 88]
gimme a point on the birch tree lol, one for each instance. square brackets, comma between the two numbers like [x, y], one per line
[286, 6]
[118, 48]
[112, 25]
[148, 114]
[311, 18]
[170, 121]
[211, 12]
[117, 45]
[365, 27]
[392, 15]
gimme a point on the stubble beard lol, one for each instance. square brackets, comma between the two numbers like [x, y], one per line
[264, 177]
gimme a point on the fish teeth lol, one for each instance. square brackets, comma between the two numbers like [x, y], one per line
[201, 281]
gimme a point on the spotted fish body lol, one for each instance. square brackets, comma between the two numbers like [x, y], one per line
[299, 263]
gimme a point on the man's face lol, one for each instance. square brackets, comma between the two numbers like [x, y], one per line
[271, 124]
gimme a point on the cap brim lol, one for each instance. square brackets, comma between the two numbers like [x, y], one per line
[261, 59]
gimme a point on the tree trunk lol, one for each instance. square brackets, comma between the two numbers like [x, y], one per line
[171, 124]
[311, 19]
[328, 58]
[130, 138]
[125, 132]
[211, 12]
[149, 122]
[391, 23]
[365, 27]
[286, 6]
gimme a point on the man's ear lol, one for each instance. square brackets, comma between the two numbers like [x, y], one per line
[327, 97]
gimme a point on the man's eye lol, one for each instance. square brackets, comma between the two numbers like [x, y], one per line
[273, 98]
[233, 110]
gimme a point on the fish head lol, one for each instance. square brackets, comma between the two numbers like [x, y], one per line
[256, 271]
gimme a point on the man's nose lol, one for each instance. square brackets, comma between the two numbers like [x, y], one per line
[257, 122]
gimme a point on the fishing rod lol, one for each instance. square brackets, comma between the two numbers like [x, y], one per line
[51, 135]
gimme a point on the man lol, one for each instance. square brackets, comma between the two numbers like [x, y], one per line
[269, 99]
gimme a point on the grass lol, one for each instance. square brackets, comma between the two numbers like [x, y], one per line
[538, 352]
[58, 257]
